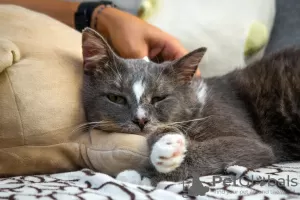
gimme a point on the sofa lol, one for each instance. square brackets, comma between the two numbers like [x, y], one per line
[40, 103]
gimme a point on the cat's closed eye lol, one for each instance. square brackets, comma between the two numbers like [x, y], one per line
[116, 99]
[154, 100]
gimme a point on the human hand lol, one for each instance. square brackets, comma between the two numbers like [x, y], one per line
[132, 37]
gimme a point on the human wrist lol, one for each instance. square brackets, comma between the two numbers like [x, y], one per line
[102, 19]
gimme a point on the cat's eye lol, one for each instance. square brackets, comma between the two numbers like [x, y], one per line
[154, 100]
[116, 99]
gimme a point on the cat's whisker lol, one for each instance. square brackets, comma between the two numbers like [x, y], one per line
[83, 128]
[87, 125]
[90, 123]
[92, 128]
[159, 75]
[179, 126]
[184, 130]
[176, 128]
[192, 120]
[110, 127]
[157, 60]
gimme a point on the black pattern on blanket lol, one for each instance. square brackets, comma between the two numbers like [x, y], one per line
[279, 181]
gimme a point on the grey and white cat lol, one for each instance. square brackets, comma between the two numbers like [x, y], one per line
[249, 117]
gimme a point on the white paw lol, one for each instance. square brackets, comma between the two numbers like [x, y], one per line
[168, 152]
[132, 176]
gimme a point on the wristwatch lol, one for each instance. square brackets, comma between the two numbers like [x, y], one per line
[83, 15]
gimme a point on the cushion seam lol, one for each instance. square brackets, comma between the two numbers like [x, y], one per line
[20, 117]
[124, 150]
[119, 150]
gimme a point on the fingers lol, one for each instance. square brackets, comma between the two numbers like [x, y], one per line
[134, 53]
[155, 51]
[173, 51]
[181, 52]
[168, 47]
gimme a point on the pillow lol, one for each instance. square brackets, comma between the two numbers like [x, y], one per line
[40, 102]
[235, 32]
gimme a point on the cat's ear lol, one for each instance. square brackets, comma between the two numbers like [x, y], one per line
[186, 66]
[95, 50]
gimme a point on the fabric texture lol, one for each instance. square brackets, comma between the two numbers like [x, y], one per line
[286, 31]
[221, 26]
[279, 181]
[40, 102]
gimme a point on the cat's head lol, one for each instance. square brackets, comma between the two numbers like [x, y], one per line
[133, 95]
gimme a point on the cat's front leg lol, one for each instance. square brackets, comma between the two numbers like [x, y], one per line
[204, 158]
[167, 152]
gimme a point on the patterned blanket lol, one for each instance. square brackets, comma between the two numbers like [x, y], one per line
[279, 181]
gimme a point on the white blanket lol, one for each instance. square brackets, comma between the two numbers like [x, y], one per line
[281, 181]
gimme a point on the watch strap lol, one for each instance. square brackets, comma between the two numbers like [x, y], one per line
[83, 15]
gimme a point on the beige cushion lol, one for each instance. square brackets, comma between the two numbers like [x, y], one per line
[40, 103]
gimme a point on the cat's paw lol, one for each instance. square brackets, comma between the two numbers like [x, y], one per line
[168, 152]
[132, 176]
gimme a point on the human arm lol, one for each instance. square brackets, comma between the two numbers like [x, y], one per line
[61, 10]
[135, 38]
[130, 36]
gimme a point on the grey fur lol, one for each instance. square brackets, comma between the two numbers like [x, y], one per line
[249, 117]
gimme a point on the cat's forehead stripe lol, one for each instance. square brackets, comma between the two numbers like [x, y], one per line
[138, 89]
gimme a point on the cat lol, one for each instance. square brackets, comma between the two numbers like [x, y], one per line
[248, 117]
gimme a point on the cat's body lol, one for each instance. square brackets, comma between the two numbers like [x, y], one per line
[249, 117]
[261, 100]
[270, 93]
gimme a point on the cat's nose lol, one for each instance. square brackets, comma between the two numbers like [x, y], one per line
[141, 122]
